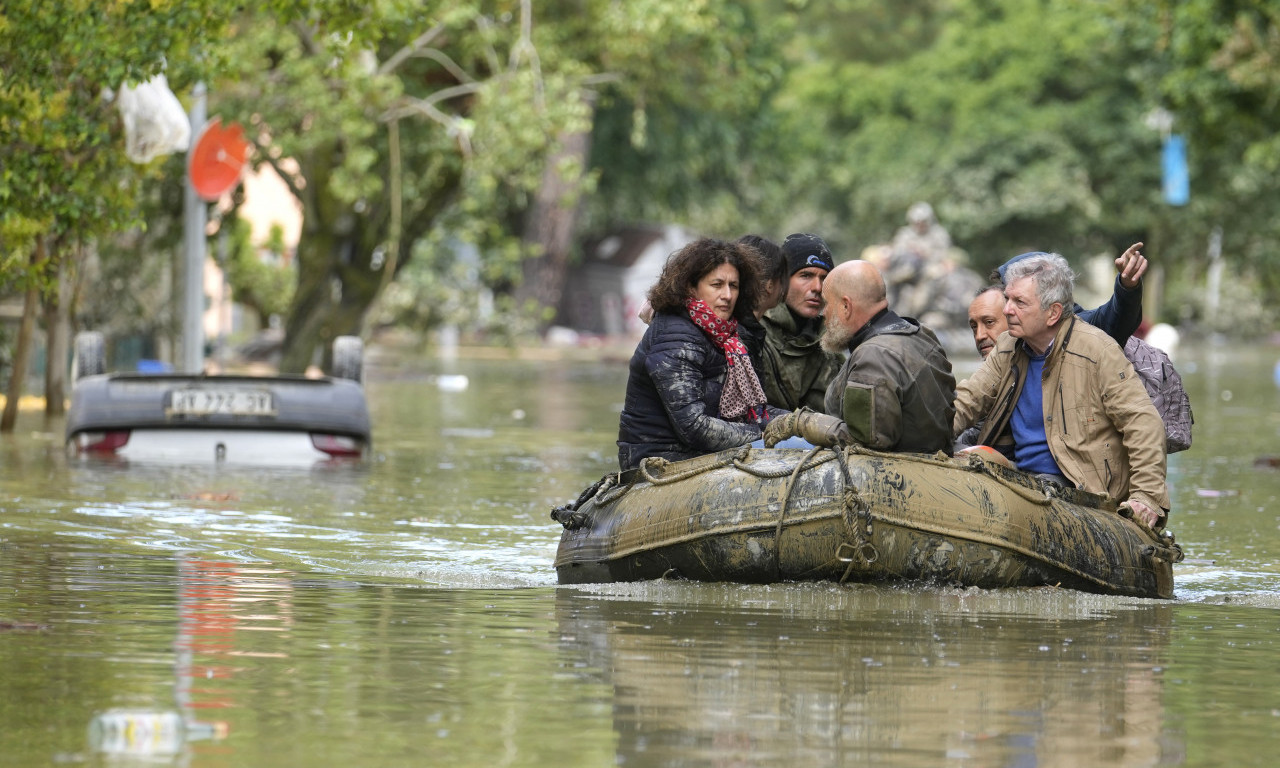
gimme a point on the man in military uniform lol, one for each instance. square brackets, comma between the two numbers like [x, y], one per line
[895, 391]
[794, 370]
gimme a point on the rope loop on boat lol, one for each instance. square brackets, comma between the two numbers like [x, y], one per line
[811, 459]
[786, 501]
[645, 464]
[610, 488]
[857, 513]
[570, 515]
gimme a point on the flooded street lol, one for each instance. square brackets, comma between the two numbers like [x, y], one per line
[405, 612]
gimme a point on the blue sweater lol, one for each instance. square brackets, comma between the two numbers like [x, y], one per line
[1031, 447]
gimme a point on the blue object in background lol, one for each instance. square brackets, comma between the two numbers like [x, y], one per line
[154, 366]
[790, 442]
[1177, 185]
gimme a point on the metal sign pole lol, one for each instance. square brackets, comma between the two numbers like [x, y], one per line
[194, 220]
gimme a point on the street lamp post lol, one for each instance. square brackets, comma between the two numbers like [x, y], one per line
[194, 221]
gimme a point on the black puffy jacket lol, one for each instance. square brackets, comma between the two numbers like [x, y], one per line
[673, 396]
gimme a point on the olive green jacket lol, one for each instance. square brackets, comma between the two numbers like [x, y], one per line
[794, 371]
[895, 391]
[1103, 431]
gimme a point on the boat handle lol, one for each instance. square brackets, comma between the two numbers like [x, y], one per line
[866, 551]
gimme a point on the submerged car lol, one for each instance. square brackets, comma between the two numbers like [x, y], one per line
[275, 420]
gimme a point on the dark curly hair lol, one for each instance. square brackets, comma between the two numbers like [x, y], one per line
[687, 266]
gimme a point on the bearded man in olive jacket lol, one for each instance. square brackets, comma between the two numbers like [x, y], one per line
[895, 391]
[1067, 395]
[794, 369]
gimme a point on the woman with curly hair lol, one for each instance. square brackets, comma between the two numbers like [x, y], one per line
[692, 389]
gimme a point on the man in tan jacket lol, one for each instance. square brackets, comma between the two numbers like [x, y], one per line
[1068, 397]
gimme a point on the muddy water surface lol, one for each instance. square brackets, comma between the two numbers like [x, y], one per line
[405, 613]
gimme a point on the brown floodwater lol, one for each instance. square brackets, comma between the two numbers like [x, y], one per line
[405, 612]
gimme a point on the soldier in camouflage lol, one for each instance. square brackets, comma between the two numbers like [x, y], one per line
[794, 370]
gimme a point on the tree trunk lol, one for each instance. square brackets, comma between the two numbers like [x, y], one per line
[337, 246]
[551, 224]
[57, 323]
[22, 351]
[308, 315]
[316, 316]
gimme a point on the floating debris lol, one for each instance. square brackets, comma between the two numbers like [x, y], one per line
[1213, 493]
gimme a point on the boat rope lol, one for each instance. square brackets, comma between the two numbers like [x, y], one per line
[570, 515]
[808, 462]
[782, 514]
[861, 549]
[611, 493]
[1043, 495]
[656, 462]
[610, 488]
[1043, 498]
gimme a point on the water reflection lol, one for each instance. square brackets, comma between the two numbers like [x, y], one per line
[807, 676]
[217, 603]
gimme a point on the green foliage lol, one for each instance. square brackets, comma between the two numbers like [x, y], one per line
[64, 170]
[1021, 121]
[688, 136]
[129, 287]
[259, 277]
[480, 100]
[1015, 121]
[438, 289]
[1212, 64]
[1242, 310]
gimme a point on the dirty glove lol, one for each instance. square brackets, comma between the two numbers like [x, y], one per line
[817, 428]
[1142, 514]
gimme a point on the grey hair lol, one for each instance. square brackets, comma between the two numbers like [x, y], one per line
[1053, 276]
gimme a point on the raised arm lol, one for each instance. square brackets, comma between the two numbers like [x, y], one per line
[1122, 314]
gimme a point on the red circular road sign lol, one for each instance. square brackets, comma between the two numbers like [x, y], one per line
[217, 159]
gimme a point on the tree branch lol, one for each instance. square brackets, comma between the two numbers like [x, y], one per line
[411, 106]
[306, 38]
[525, 48]
[495, 65]
[412, 49]
[286, 177]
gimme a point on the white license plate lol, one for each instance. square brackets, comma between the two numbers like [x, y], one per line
[235, 402]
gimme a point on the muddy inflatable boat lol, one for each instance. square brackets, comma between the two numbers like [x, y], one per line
[767, 515]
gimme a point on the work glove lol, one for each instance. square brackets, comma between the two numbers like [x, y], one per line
[817, 428]
[1142, 514]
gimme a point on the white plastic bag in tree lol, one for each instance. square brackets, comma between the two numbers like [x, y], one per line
[154, 121]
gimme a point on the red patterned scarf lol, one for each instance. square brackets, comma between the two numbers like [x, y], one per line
[742, 398]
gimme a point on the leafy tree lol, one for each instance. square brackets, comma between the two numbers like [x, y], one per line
[1211, 64]
[65, 179]
[1014, 118]
[393, 104]
[471, 122]
[264, 285]
[678, 131]
[692, 138]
